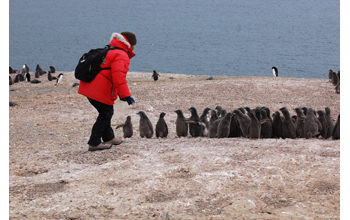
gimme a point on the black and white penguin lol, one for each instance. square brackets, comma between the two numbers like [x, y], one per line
[127, 127]
[27, 77]
[274, 71]
[145, 127]
[180, 124]
[161, 127]
[59, 79]
[195, 127]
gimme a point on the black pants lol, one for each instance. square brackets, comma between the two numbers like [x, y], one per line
[102, 127]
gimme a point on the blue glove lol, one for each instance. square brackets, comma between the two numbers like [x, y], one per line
[128, 99]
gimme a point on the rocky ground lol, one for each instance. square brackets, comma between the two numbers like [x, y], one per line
[53, 176]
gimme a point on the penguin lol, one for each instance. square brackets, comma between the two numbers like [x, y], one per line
[213, 124]
[288, 126]
[145, 127]
[11, 70]
[254, 125]
[266, 127]
[35, 81]
[127, 127]
[195, 128]
[59, 79]
[161, 127]
[336, 129]
[304, 110]
[180, 124]
[234, 127]
[337, 88]
[277, 124]
[11, 81]
[219, 110]
[49, 76]
[335, 79]
[300, 123]
[322, 119]
[257, 113]
[274, 71]
[330, 123]
[330, 75]
[268, 114]
[338, 74]
[52, 69]
[12, 104]
[223, 129]
[27, 77]
[24, 70]
[27, 68]
[244, 121]
[37, 74]
[204, 117]
[19, 78]
[310, 125]
[155, 75]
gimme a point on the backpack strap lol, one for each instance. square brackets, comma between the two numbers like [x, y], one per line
[112, 48]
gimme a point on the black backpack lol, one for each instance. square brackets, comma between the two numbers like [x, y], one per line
[89, 64]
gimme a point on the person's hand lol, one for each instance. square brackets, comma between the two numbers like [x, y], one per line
[128, 99]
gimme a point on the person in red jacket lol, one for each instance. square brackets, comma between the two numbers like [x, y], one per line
[106, 87]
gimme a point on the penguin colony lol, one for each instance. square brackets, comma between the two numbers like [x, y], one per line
[24, 75]
[243, 122]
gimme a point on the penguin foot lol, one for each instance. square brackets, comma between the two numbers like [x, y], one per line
[101, 146]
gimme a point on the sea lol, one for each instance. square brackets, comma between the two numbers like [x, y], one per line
[197, 37]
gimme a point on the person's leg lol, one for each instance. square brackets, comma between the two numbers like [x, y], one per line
[102, 127]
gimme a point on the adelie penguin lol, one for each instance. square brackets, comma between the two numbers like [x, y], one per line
[288, 126]
[59, 79]
[310, 125]
[336, 129]
[194, 125]
[145, 127]
[274, 71]
[155, 75]
[161, 127]
[181, 124]
[244, 121]
[127, 127]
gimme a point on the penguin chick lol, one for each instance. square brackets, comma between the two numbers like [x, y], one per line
[127, 127]
[195, 128]
[180, 124]
[310, 126]
[145, 127]
[161, 127]
[244, 121]
[223, 129]
[336, 130]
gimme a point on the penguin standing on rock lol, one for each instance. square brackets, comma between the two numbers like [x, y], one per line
[127, 128]
[180, 124]
[274, 71]
[145, 127]
[161, 127]
[59, 79]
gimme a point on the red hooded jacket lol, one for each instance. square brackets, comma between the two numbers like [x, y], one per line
[111, 83]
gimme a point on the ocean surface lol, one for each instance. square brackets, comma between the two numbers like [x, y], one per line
[200, 37]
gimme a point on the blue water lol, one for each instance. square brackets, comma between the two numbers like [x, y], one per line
[202, 37]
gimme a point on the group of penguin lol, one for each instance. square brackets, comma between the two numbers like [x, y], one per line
[25, 75]
[335, 79]
[242, 122]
